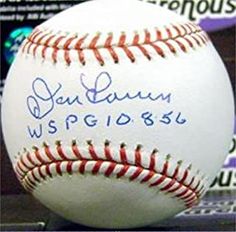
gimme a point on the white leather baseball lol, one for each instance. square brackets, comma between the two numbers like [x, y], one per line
[117, 113]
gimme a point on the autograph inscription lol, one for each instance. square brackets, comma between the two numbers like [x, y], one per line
[46, 97]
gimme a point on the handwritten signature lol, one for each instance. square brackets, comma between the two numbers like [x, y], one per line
[45, 97]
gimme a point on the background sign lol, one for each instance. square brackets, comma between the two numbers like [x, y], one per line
[226, 179]
[210, 14]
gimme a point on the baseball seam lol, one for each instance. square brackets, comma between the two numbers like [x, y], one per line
[34, 167]
[67, 47]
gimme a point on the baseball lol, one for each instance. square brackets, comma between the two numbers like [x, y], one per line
[117, 114]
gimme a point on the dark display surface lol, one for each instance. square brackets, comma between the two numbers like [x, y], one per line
[216, 212]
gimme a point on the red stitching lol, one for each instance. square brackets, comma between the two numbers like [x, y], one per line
[35, 177]
[152, 162]
[107, 151]
[169, 33]
[108, 46]
[69, 167]
[48, 153]
[196, 40]
[159, 181]
[29, 47]
[38, 156]
[39, 41]
[31, 183]
[176, 188]
[110, 169]
[55, 48]
[189, 42]
[183, 48]
[61, 152]
[123, 171]
[176, 172]
[26, 169]
[188, 25]
[93, 47]
[148, 177]
[92, 152]
[137, 157]
[66, 49]
[34, 36]
[76, 151]
[25, 44]
[97, 167]
[158, 50]
[46, 46]
[78, 47]
[40, 173]
[169, 185]
[122, 44]
[177, 30]
[48, 172]
[191, 182]
[82, 167]
[147, 37]
[20, 168]
[202, 38]
[182, 193]
[184, 177]
[18, 173]
[190, 196]
[138, 171]
[123, 155]
[171, 47]
[58, 168]
[33, 33]
[165, 168]
[166, 35]
[159, 35]
[24, 164]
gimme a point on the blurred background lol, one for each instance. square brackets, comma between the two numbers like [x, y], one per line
[18, 18]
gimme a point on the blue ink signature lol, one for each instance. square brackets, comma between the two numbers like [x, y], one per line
[45, 96]
[97, 93]
[44, 99]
